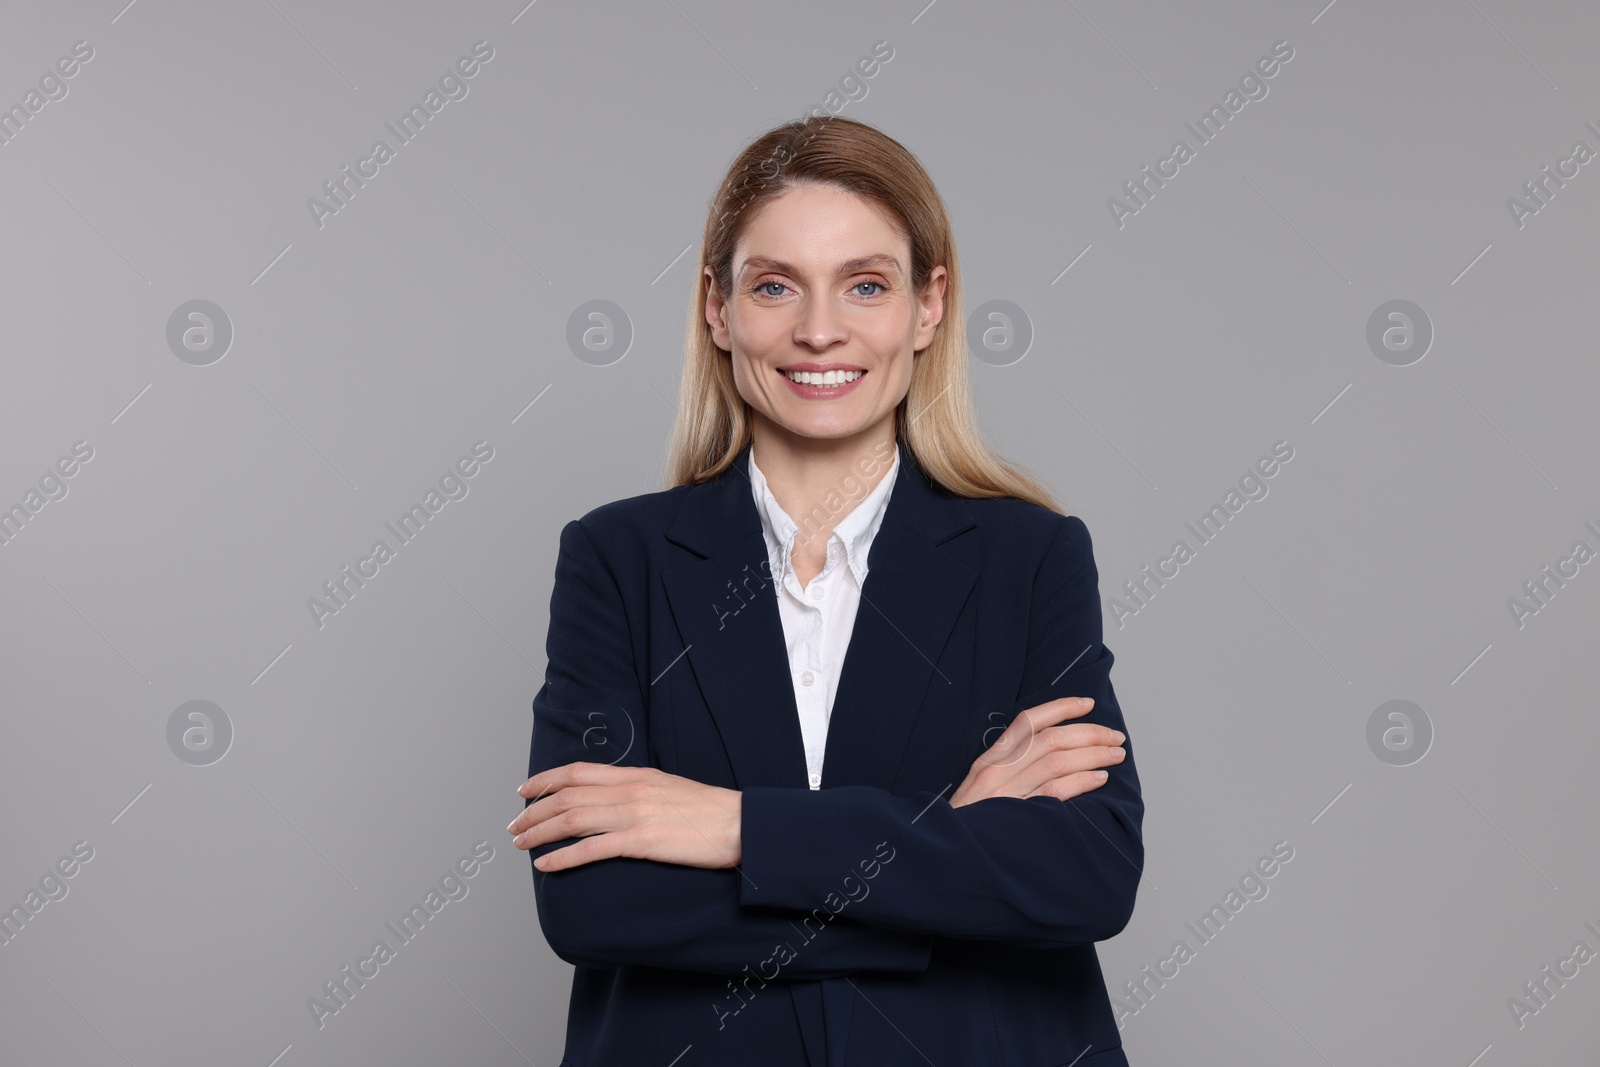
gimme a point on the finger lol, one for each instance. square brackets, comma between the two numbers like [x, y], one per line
[548, 781]
[581, 813]
[1017, 738]
[1071, 785]
[1042, 716]
[1065, 762]
[588, 850]
[1080, 735]
[578, 773]
[1016, 743]
[563, 799]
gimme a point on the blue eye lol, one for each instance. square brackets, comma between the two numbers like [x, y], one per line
[860, 284]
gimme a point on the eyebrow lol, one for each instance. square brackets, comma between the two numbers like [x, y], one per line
[849, 266]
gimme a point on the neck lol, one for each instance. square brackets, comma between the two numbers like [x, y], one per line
[804, 473]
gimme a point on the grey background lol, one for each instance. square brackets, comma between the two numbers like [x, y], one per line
[432, 312]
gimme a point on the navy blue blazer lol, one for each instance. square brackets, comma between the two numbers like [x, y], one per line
[870, 922]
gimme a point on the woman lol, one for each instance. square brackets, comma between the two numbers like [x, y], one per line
[755, 848]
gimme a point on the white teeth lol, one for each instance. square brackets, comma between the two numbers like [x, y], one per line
[832, 377]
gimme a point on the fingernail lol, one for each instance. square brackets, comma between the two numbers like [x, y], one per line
[1087, 702]
[1102, 775]
[1117, 737]
[510, 824]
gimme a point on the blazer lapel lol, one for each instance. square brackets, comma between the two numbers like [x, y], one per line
[920, 573]
[921, 569]
[727, 614]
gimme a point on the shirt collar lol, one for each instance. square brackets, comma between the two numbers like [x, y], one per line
[854, 532]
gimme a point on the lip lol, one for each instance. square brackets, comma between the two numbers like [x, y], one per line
[820, 368]
[820, 392]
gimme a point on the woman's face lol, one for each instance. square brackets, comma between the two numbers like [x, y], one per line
[821, 284]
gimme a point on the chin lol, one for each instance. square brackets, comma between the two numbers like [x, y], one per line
[828, 431]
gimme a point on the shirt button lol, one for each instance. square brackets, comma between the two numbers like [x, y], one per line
[833, 551]
[806, 677]
[817, 592]
[816, 780]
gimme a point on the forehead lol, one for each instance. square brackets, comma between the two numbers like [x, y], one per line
[821, 228]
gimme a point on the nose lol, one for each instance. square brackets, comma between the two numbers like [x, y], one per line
[820, 326]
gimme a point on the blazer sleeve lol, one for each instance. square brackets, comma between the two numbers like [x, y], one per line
[621, 911]
[1034, 872]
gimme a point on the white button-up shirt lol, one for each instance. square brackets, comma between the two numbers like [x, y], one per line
[818, 620]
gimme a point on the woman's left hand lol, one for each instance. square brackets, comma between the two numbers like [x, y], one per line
[640, 812]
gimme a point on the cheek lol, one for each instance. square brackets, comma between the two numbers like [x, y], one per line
[890, 337]
[756, 335]
[741, 375]
[749, 364]
[893, 352]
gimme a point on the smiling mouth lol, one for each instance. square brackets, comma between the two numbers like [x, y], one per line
[822, 378]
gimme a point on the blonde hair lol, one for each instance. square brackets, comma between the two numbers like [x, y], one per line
[935, 421]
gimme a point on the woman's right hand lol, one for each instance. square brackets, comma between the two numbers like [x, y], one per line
[1033, 757]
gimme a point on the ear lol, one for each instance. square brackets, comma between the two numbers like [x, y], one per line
[716, 312]
[931, 310]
